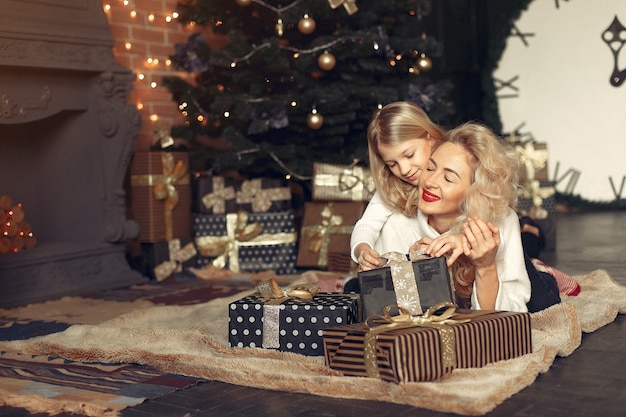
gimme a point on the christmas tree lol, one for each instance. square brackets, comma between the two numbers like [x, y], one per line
[297, 81]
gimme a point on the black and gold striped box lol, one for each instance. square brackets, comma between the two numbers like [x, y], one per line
[415, 354]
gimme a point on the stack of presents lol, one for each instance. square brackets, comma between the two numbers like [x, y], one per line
[403, 325]
[536, 197]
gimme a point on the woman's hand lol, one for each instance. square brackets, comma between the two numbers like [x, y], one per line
[367, 257]
[481, 244]
[481, 241]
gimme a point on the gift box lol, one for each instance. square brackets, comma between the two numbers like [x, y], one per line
[162, 259]
[212, 194]
[533, 160]
[295, 325]
[250, 242]
[414, 285]
[322, 225]
[261, 195]
[333, 182]
[160, 195]
[537, 198]
[421, 349]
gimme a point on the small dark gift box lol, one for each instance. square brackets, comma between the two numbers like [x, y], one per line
[212, 194]
[162, 259]
[295, 325]
[414, 285]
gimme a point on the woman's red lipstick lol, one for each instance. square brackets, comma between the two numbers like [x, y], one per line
[429, 197]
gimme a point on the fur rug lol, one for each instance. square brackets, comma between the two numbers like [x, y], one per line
[192, 340]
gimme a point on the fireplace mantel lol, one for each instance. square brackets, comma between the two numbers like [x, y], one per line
[66, 138]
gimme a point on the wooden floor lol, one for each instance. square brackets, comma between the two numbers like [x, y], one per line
[590, 382]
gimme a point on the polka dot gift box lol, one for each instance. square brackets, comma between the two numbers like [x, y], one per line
[295, 325]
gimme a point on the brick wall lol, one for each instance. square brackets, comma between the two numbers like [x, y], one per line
[145, 32]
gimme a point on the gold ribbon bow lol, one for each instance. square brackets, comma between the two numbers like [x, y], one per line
[404, 281]
[217, 198]
[225, 249]
[319, 235]
[533, 159]
[276, 295]
[252, 191]
[355, 180]
[164, 186]
[177, 256]
[538, 193]
[349, 5]
[377, 324]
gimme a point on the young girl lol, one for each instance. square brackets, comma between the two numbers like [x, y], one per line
[466, 200]
[400, 138]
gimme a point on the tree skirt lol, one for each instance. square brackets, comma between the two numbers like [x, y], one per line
[191, 341]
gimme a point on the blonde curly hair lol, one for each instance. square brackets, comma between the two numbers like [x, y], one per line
[493, 189]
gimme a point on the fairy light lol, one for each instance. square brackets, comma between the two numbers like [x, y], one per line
[107, 8]
[133, 13]
[153, 84]
[227, 114]
[128, 45]
[151, 17]
[141, 76]
[154, 117]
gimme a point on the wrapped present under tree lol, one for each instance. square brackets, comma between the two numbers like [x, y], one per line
[250, 242]
[332, 182]
[160, 196]
[323, 222]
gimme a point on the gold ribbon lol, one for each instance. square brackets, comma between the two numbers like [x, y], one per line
[349, 5]
[276, 295]
[355, 179]
[319, 235]
[404, 281]
[225, 249]
[533, 159]
[377, 324]
[251, 191]
[217, 198]
[164, 186]
[177, 256]
[537, 193]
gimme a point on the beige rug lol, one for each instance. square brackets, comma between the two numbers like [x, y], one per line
[192, 340]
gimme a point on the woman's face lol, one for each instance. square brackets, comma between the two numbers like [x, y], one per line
[443, 184]
[408, 159]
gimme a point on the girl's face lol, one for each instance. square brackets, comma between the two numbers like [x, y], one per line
[447, 176]
[408, 159]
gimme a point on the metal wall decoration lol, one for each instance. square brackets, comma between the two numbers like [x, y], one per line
[615, 37]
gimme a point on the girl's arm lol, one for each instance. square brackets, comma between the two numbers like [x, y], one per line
[367, 230]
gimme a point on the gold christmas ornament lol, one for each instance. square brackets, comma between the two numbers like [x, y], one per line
[306, 25]
[424, 63]
[315, 120]
[326, 61]
[243, 3]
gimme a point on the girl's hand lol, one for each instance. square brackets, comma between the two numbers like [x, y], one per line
[481, 242]
[368, 258]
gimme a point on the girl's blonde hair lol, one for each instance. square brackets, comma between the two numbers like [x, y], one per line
[395, 123]
[492, 191]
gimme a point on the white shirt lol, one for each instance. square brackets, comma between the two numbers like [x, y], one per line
[514, 288]
[383, 229]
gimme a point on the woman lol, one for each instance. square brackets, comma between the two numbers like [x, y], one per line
[466, 200]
